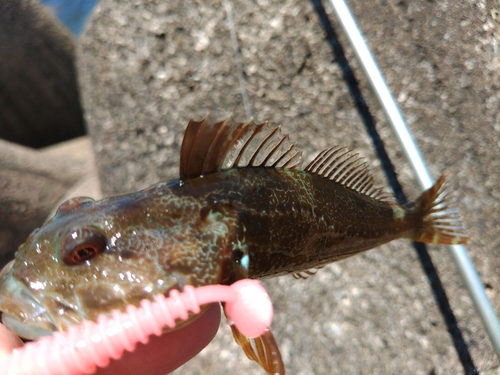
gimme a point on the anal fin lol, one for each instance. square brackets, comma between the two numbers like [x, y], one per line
[305, 274]
[262, 350]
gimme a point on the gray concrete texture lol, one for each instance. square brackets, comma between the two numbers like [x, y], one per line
[147, 67]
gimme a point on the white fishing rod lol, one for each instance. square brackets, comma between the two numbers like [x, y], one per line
[398, 123]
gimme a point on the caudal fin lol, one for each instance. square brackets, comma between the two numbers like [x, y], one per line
[441, 223]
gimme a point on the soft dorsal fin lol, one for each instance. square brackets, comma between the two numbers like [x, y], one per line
[341, 165]
[210, 146]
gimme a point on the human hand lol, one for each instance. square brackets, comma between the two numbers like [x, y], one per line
[162, 354]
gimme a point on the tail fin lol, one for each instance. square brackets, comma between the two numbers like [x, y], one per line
[440, 221]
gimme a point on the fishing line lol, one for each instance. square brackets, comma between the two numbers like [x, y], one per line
[237, 58]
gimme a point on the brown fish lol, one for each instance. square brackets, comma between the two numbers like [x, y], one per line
[241, 208]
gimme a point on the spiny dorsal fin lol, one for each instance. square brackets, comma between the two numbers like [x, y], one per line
[340, 165]
[210, 146]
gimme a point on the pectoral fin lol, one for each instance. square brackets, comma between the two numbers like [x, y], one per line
[262, 350]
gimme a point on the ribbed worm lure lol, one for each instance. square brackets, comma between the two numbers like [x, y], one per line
[82, 349]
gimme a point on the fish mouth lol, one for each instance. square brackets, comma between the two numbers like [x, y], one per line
[22, 311]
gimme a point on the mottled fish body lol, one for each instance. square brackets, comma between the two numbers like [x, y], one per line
[241, 208]
[291, 221]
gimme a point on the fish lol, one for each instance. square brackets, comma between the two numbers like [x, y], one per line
[242, 208]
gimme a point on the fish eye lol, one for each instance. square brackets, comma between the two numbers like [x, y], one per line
[83, 254]
[82, 244]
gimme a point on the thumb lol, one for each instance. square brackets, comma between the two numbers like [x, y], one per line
[163, 354]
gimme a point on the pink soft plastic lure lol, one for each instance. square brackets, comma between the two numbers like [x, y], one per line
[81, 349]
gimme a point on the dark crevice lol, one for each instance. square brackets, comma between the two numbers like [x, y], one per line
[389, 170]
[304, 63]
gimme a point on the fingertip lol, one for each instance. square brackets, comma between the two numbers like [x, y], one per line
[8, 341]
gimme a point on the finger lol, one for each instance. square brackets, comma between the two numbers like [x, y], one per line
[8, 341]
[163, 354]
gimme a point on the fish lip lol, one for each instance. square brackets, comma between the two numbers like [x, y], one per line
[21, 311]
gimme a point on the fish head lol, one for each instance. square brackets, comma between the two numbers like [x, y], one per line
[92, 257]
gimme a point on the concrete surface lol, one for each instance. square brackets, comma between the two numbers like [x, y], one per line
[147, 67]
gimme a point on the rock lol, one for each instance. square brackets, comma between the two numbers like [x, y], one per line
[33, 182]
[39, 100]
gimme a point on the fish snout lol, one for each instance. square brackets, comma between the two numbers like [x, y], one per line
[21, 311]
